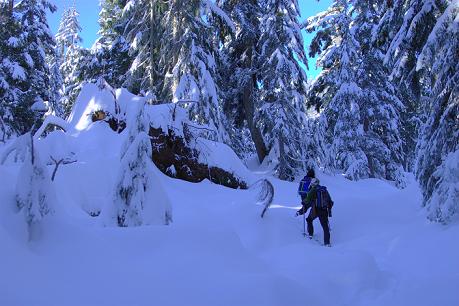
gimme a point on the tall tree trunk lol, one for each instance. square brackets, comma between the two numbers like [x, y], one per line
[249, 116]
[152, 46]
[247, 101]
[283, 175]
[11, 8]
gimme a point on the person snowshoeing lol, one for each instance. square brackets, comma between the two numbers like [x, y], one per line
[318, 199]
[303, 188]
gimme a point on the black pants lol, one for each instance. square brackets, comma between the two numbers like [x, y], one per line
[323, 218]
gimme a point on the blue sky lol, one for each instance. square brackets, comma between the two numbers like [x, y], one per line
[89, 13]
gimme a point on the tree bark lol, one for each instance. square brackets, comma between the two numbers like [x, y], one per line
[152, 46]
[247, 101]
[255, 133]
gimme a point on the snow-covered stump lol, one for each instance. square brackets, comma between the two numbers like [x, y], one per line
[34, 194]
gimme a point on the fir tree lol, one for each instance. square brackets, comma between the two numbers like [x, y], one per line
[382, 106]
[56, 83]
[12, 73]
[33, 191]
[111, 50]
[143, 30]
[281, 108]
[139, 198]
[24, 76]
[401, 35]
[360, 119]
[73, 57]
[438, 147]
[335, 90]
[237, 77]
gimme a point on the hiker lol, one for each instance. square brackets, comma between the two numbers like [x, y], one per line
[303, 188]
[320, 202]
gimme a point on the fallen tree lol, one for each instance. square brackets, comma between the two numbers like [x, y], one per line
[174, 157]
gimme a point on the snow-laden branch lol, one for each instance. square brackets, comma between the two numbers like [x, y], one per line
[19, 145]
[214, 9]
[53, 121]
[64, 161]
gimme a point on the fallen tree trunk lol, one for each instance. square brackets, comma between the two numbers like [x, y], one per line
[175, 158]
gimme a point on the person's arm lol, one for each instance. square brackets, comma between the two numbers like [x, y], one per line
[307, 201]
[303, 209]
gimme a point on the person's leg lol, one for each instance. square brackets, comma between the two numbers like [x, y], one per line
[323, 218]
[312, 215]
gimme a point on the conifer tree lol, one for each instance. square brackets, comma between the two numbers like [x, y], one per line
[335, 90]
[143, 30]
[174, 55]
[55, 103]
[139, 198]
[438, 147]
[281, 108]
[360, 119]
[24, 72]
[237, 77]
[12, 73]
[73, 57]
[34, 195]
[111, 50]
[401, 34]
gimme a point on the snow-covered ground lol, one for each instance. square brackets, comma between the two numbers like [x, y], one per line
[218, 251]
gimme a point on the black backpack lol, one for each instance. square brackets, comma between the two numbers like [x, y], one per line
[324, 200]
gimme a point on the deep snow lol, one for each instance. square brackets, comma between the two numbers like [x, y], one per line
[218, 251]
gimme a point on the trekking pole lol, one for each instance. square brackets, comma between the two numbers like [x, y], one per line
[304, 225]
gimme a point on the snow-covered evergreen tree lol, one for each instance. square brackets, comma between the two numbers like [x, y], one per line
[438, 148]
[12, 74]
[73, 71]
[174, 55]
[56, 83]
[139, 197]
[401, 34]
[237, 75]
[62, 38]
[24, 72]
[143, 31]
[360, 120]
[34, 196]
[111, 50]
[73, 57]
[281, 107]
[188, 62]
[68, 33]
[382, 106]
[335, 89]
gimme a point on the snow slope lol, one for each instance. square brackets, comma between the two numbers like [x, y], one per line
[218, 251]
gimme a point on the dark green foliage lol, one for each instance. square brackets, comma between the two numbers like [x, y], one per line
[24, 72]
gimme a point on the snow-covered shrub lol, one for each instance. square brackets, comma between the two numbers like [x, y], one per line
[139, 197]
[443, 206]
[34, 194]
